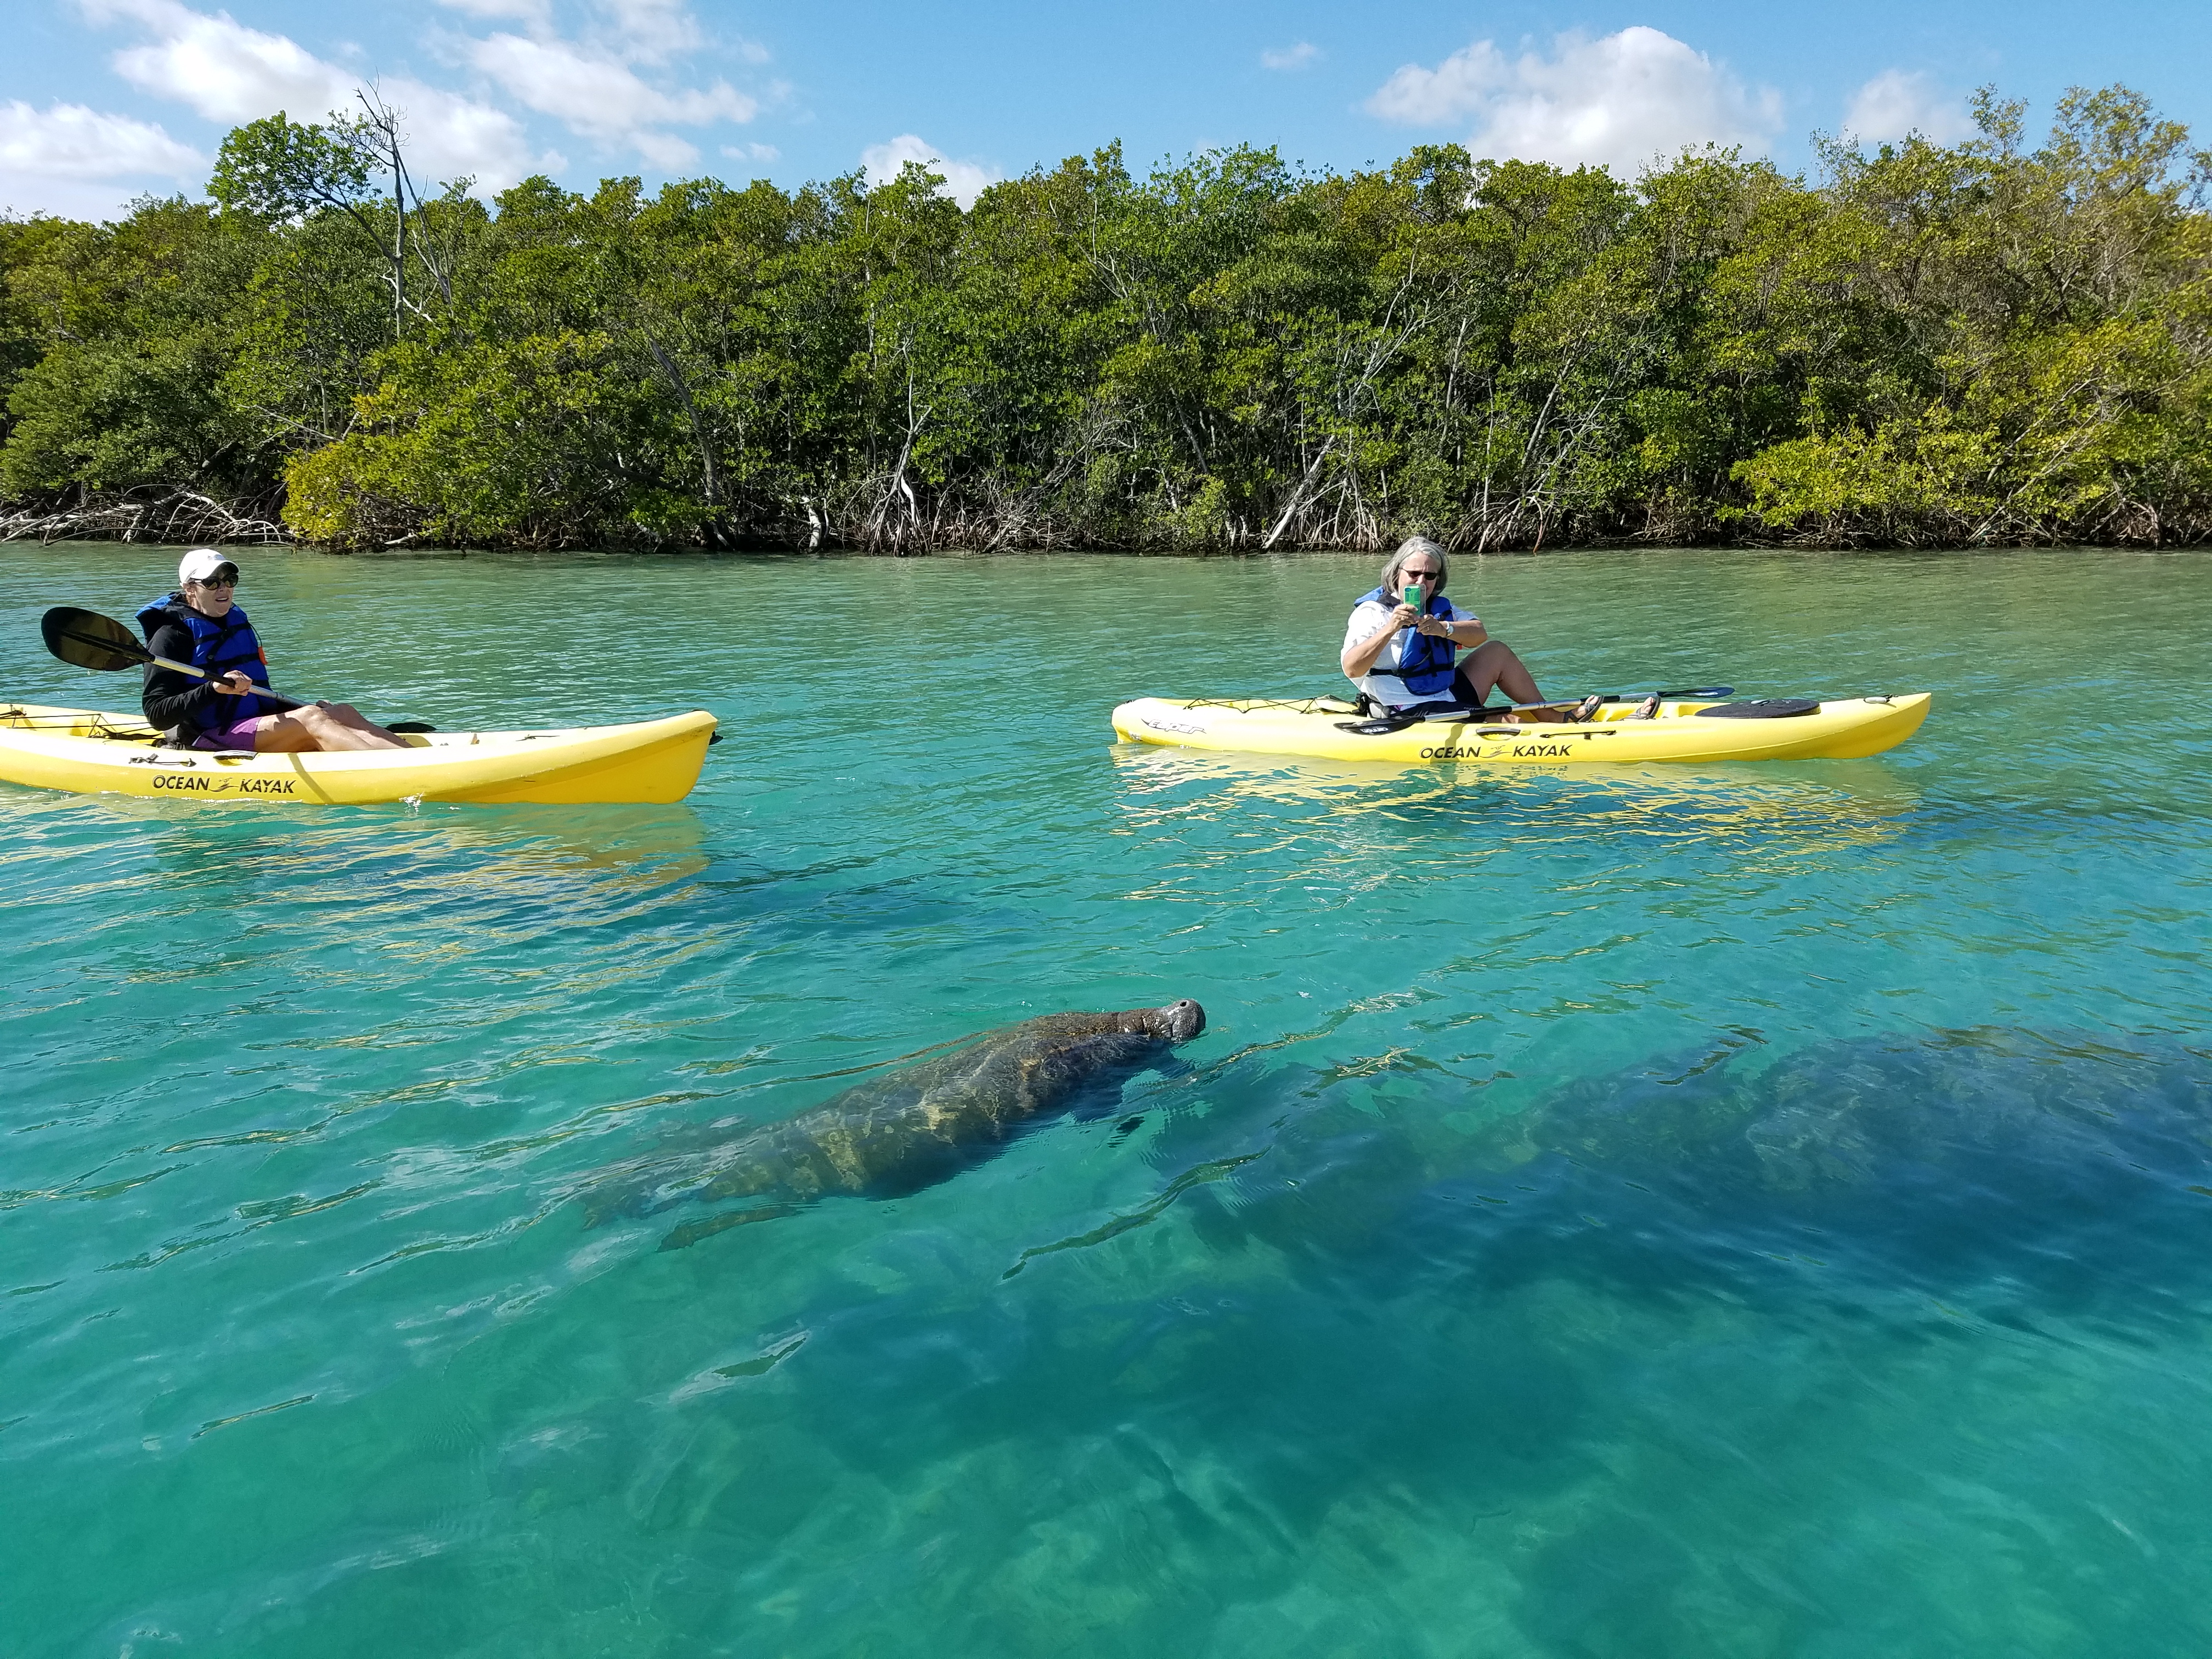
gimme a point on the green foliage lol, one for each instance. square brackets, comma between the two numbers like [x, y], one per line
[133, 324]
[1927, 345]
[1994, 344]
[281, 171]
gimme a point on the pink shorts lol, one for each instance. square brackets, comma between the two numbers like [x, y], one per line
[238, 735]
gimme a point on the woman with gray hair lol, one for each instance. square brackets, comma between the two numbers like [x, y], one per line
[1401, 653]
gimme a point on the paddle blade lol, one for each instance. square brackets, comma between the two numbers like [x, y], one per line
[85, 639]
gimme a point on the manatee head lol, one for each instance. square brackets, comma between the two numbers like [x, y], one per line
[1179, 1022]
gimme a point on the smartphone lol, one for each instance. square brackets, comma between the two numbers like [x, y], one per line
[1413, 594]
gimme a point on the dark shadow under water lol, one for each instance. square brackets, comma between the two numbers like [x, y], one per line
[2030, 1174]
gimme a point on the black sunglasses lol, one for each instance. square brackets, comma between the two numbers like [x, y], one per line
[220, 579]
[1422, 575]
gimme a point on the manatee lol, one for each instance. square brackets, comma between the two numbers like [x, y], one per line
[907, 1129]
[2021, 1173]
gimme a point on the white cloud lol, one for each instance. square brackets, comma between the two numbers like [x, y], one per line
[652, 31]
[73, 142]
[752, 152]
[223, 69]
[963, 180]
[230, 73]
[1291, 57]
[60, 160]
[1618, 101]
[1894, 105]
[664, 149]
[538, 13]
[448, 136]
[602, 98]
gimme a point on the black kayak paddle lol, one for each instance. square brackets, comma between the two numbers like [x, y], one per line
[85, 639]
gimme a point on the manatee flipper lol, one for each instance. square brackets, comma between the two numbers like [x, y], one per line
[692, 1231]
[601, 1204]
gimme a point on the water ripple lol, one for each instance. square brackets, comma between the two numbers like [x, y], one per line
[1656, 1210]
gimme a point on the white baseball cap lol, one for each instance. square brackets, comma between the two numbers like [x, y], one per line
[202, 563]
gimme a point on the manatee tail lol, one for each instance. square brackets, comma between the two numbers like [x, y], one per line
[646, 1186]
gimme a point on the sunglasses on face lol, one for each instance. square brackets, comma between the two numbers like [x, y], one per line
[1420, 575]
[220, 579]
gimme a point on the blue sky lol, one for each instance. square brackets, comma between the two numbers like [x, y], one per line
[101, 100]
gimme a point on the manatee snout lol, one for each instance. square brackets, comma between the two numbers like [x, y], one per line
[1180, 1021]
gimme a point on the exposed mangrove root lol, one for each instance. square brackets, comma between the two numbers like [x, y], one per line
[160, 515]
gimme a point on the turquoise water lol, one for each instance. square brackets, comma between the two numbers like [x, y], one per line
[1752, 1210]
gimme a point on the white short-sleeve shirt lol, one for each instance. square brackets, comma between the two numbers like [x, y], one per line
[1370, 615]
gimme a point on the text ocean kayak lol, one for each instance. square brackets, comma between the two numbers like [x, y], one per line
[90, 753]
[1839, 728]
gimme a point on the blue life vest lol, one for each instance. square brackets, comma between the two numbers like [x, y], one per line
[218, 648]
[1425, 660]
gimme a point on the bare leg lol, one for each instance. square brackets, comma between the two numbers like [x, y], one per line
[1494, 664]
[366, 732]
[327, 727]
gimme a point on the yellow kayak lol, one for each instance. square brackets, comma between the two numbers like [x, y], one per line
[1838, 728]
[91, 753]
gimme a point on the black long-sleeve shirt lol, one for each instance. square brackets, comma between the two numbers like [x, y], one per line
[173, 700]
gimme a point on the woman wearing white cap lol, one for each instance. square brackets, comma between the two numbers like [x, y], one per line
[203, 624]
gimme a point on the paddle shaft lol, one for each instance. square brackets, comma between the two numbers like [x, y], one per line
[153, 661]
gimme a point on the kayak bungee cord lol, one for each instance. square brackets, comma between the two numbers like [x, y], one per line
[19, 718]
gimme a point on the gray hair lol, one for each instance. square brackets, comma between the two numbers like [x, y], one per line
[1406, 549]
